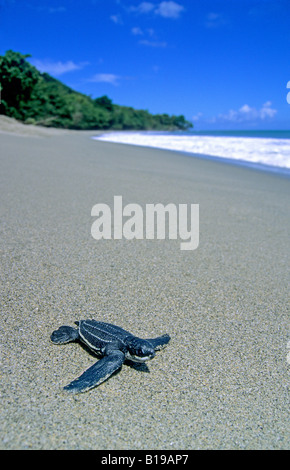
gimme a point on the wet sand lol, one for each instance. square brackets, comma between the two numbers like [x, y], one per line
[221, 383]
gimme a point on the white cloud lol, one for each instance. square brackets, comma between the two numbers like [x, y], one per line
[267, 111]
[137, 31]
[105, 78]
[247, 114]
[145, 42]
[56, 68]
[144, 7]
[197, 117]
[149, 33]
[140, 32]
[168, 9]
[117, 19]
[215, 20]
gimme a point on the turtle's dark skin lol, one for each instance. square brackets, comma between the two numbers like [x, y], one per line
[114, 344]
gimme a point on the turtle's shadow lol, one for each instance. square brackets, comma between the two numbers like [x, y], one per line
[140, 366]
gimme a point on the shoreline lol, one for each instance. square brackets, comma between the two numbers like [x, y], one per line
[214, 147]
[12, 126]
[221, 383]
[279, 171]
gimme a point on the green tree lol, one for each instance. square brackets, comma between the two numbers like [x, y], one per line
[104, 102]
[18, 79]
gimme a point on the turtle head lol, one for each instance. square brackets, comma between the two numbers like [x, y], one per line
[139, 350]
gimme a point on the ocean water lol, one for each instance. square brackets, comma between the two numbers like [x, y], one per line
[265, 150]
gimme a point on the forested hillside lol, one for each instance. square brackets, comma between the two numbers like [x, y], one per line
[37, 98]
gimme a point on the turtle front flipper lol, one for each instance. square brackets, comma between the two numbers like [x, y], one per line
[160, 342]
[65, 334]
[97, 373]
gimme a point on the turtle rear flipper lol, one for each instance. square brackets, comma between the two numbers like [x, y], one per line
[97, 373]
[160, 342]
[65, 334]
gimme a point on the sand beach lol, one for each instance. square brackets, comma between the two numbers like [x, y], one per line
[222, 381]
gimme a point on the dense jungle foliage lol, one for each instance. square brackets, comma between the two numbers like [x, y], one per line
[37, 98]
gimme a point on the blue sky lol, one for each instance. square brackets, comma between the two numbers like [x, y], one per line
[224, 64]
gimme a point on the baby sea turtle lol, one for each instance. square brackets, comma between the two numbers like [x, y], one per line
[109, 341]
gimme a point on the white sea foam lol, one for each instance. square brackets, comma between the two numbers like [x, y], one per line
[265, 151]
